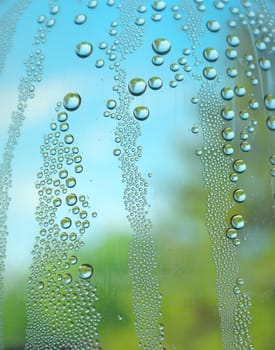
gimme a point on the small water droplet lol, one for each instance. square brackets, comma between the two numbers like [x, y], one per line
[157, 60]
[80, 18]
[231, 233]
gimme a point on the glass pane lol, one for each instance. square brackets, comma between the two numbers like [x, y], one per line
[137, 175]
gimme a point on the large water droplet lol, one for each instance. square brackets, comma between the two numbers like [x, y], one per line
[80, 18]
[85, 271]
[141, 113]
[239, 166]
[84, 49]
[237, 222]
[158, 5]
[228, 134]
[270, 122]
[71, 199]
[137, 86]
[72, 101]
[213, 26]
[155, 83]
[269, 101]
[239, 195]
[66, 222]
[209, 73]
[210, 54]
[161, 46]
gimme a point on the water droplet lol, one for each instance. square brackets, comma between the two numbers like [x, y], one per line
[84, 49]
[269, 102]
[99, 63]
[239, 166]
[62, 117]
[73, 259]
[137, 86]
[80, 18]
[157, 60]
[228, 149]
[72, 101]
[66, 222]
[240, 281]
[117, 152]
[210, 54]
[236, 290]
[245, 146]
[213, 26]
[92, 4]
[209, 73]
[232, 72]
[228, 134]
[237, 222]
[244, 115]
[70, 182]
[69, 139]
[71, 199]
[264, 63]
[228, 113]
[85, 271]
[233, 40]
[111, 104]
[155, 83]
[272, 159]
[40, 285]
[141, 113]
[161, 46]
[227, 93]
[270, 122]
[240, 90]
[231, 233]
[239, 195]
[57, 202]
[158, 5]
[195, 129]
[140, 21]
[67, 278]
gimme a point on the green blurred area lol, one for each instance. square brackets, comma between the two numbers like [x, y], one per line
[187, 284]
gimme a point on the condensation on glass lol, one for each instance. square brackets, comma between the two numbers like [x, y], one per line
[137, 101]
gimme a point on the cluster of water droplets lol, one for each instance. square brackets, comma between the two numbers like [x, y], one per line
[61, 297]
[26, 88]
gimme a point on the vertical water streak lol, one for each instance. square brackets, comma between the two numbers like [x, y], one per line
[8, 23]
[142, 251]
[233, 303]
[25, 87]
[61, 297]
